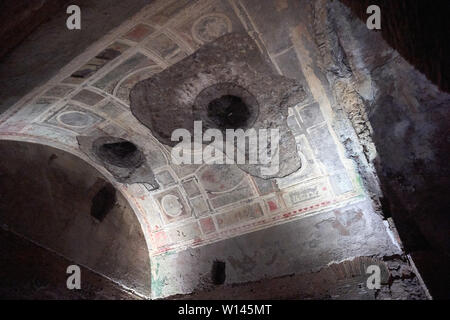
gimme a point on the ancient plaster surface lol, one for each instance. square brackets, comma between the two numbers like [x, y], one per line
[296, 247]
[205, 212]
[98, 101]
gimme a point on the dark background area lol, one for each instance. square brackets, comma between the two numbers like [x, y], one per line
[418, 30]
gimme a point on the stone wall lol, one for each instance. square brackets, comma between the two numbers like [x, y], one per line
[395, 108]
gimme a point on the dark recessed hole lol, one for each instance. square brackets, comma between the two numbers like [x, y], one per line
[52, 158]
[122, 154]
[218, 272]
[229, 112]
[385, 207]
[225, 105]
[103, 202]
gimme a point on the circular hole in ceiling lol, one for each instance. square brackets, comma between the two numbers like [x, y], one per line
[226, 106]
[119, 152]
[229, 112]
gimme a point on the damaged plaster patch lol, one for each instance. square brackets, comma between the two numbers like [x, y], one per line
[122, 158]
[227, 84]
